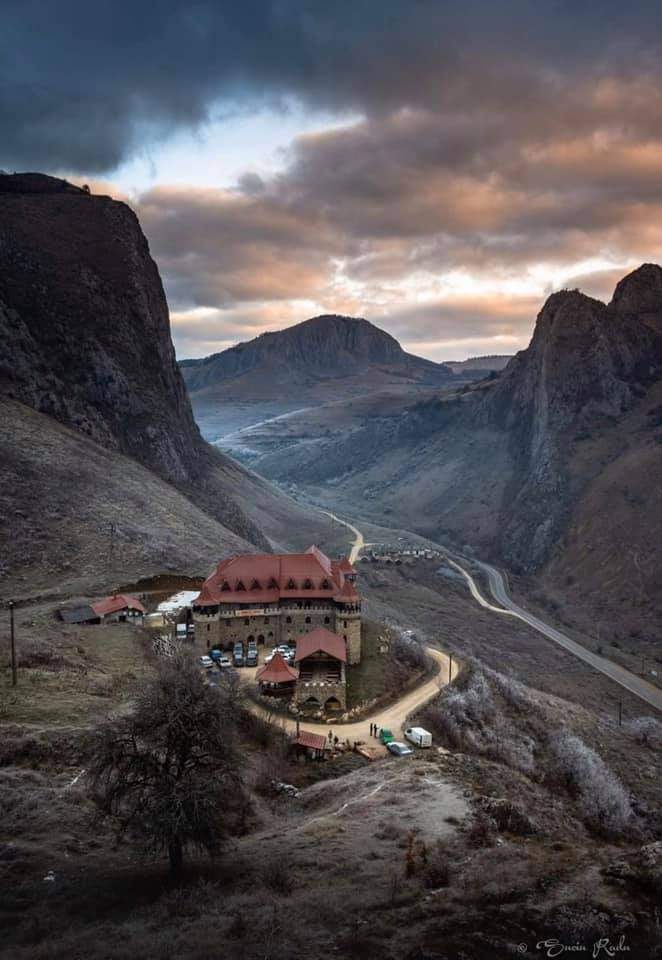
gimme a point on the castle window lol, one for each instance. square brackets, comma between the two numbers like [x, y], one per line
[325, 585]
[266, 619]
[208, 627]
[225, 585]
[288, 619]
[246, 622]
[255, 585]
[307, 584]
[228, 622]
[240, 585]
[291, 585]
[272, 585]
[307, 619]
[344, 623]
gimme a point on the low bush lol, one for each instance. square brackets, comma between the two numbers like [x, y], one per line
[647, 731]
[603, 801]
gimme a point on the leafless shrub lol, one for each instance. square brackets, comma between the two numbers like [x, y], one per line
[277, 875]
[646, 730]
[603, 801]
[409, 650]
[438, 870]
[508, 816]
[481, 830]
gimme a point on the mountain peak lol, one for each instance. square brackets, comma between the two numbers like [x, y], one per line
[36, 183]
[640, 291]
[329, 347]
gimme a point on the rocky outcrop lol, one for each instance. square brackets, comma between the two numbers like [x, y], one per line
[318, 349]
[587, 363]
[84, 324]
[85, 342]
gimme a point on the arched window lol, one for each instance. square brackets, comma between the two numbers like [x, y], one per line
[246, 622]
[307, 619]
[344, 623]
[288, 619]
[327, 619]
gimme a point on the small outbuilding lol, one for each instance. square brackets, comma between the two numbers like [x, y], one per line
[120, 608]
[310, 745]
[277, 678]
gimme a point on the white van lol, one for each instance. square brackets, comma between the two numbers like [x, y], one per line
[419, 737]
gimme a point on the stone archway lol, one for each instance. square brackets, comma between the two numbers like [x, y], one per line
[333, 704]
[260, 638]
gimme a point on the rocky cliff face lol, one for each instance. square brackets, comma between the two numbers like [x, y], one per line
[84, 324]
[321, 348]
[85, 348]
[587, 365]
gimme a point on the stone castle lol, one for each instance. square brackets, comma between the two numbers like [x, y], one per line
[276, 598]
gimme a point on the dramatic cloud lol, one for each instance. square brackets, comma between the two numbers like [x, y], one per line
[498, 151]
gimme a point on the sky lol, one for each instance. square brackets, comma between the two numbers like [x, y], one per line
[438, 168]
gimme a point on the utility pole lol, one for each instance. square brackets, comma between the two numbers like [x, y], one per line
[111, 550]
[12, 642]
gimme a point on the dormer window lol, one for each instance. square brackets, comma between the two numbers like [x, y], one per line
[255, 585]
[291, 585]
[307, 584]
[325, 585]
[225, 586]
[272, 584]
[240, 585]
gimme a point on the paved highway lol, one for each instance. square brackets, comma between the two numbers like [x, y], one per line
[629, 681]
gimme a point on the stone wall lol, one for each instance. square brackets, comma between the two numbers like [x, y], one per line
[283, 626]
[322, 692]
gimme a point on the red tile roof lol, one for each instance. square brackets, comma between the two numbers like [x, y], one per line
[267, 578]
[120, 601]
[346, 566]
[313, 740]
[276, 671]
[320, 641]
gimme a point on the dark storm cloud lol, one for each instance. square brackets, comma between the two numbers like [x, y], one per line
[83, 85]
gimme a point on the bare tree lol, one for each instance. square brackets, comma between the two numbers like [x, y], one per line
[171, 773]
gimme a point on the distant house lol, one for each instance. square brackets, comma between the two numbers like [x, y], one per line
[120, 608]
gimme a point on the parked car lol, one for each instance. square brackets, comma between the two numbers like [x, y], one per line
[215, 655]
[251, 657]
[399, 749]
[238, 655]
[418, 736]
[206, 662]
[386, 736]
[224, 662]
